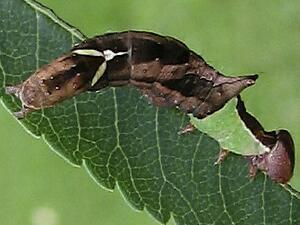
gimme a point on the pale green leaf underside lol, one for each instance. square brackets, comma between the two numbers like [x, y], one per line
[230, 131]
[122, 139]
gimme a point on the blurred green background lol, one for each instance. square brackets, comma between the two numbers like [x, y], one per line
[236, 37]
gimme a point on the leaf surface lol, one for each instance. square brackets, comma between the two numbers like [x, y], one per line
[123, 140]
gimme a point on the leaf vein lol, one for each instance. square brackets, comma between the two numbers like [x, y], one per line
[37, 47]
[118, 146]
[263, 199]
[291, 210]
[194, 155]
[162, 171]
[222, 195]
[4, 74]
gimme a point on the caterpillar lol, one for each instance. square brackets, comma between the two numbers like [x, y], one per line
[166, 72]
[164, 69]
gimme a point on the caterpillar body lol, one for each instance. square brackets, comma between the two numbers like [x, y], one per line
[166, 71]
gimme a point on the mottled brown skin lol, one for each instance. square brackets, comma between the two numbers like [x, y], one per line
[61, 79]
[167, 72]
[162, 68]
[279, 162]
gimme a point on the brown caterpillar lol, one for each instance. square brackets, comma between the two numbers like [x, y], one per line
[163, 68]
[166, 71]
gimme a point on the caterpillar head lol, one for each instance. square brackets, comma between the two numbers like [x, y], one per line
[278, 164]
[61, 79]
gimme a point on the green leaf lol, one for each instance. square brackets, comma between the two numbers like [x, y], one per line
[123, 140]
[229, 130]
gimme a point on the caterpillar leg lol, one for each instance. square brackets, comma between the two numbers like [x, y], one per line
[189, 128]
[22, 113]
[256, 162]
[252, 171]
[222, 156]
[15, 90]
